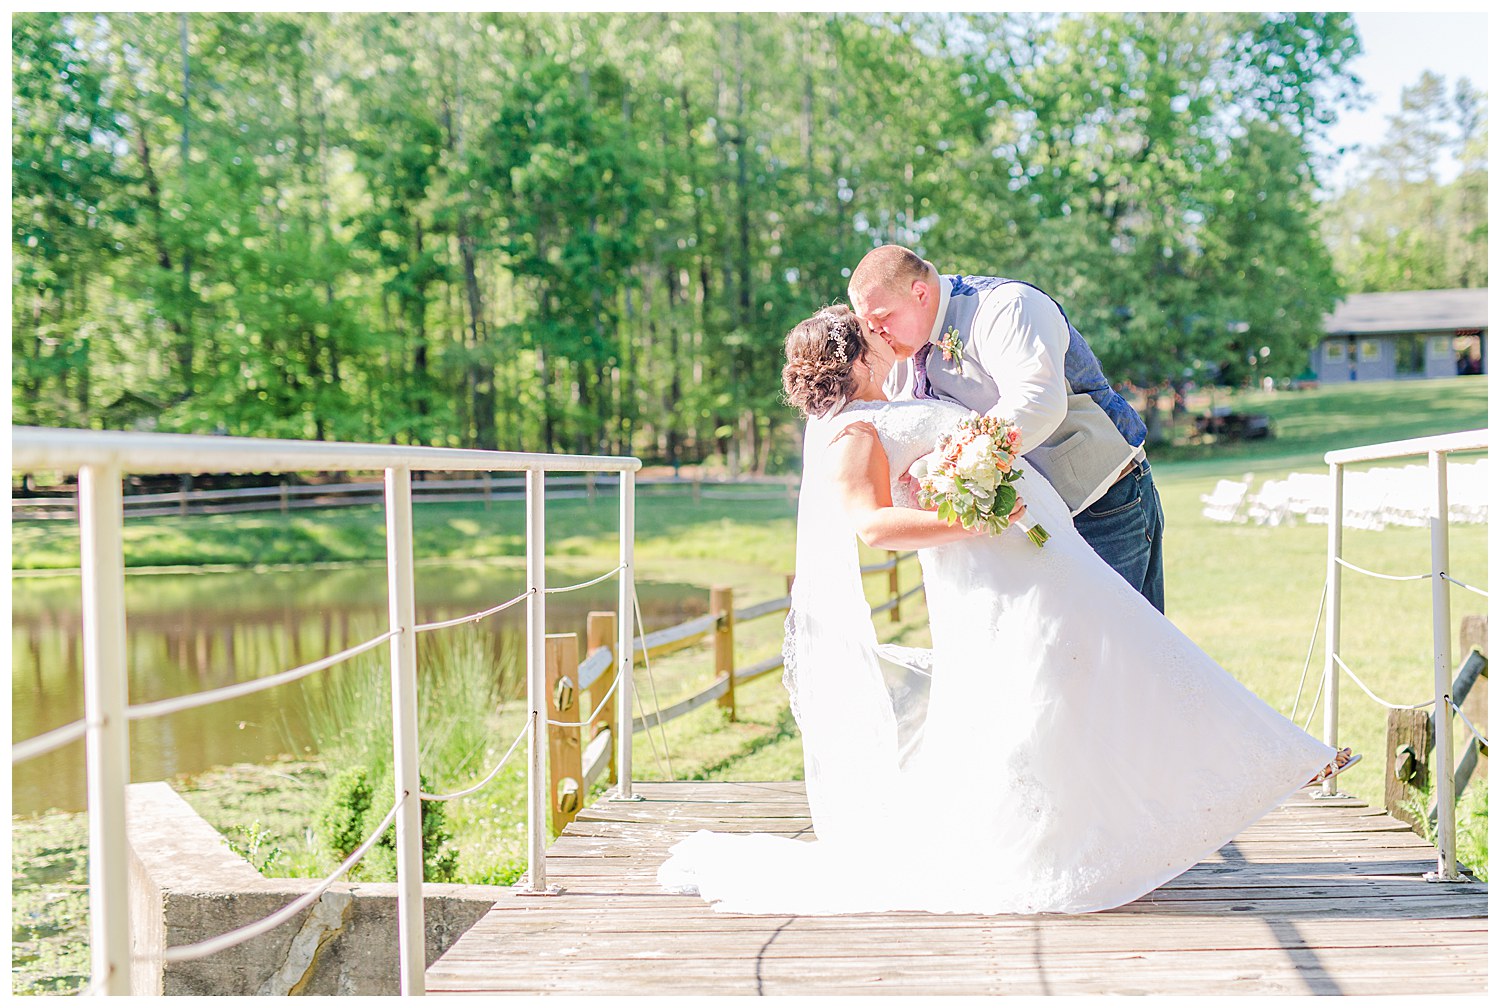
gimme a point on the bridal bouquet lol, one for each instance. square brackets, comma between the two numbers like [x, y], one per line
[971, 481]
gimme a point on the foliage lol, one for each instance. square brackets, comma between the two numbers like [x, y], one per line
[1397, 226]
[587, 232]
[1471, 821]
[355, 806]
[259, 847]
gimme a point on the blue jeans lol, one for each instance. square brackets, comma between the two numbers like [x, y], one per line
[1125, 527]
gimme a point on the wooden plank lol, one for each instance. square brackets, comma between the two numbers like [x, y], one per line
[1320, 897]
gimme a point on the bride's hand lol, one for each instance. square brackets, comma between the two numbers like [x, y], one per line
[1017, 512]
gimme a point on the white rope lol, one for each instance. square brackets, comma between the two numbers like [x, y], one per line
[1459, 711]
[590, 719]
[525, 730]
[47, 741]
[1384, 577]
[474, 618]
[1307, 663]
[636, 599]
[1372, 696]
[1454, 580]
[182, 703]
[229, 939]
[584, 584]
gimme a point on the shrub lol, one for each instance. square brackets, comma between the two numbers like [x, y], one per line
[354, 808]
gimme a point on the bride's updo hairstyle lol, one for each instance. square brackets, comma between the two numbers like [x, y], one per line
[820, 357]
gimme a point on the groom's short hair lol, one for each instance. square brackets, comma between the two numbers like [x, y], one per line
[888, 268]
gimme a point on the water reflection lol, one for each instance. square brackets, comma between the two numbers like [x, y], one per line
[191, 632]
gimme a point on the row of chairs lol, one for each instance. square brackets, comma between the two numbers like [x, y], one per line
[1373, 499]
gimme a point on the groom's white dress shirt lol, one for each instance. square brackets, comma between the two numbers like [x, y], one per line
[1015, 342]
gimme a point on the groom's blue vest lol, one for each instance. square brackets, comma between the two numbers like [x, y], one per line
[1080, 366]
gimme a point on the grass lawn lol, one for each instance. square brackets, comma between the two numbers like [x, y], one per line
[1248, 595]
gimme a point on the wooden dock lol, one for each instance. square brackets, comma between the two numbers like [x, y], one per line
[1323, 896]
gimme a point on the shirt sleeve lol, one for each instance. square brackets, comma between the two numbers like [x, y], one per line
[1021, 338]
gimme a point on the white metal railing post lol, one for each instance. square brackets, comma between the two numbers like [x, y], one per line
[1335, 614]
[536, 681]
[625, 648]
[401, 579]
[1442, 674]
[105, 697]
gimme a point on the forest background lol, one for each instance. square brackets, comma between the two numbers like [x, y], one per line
[589, 232]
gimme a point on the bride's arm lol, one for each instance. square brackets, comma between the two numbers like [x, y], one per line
[861, 473]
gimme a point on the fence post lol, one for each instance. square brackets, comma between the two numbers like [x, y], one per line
[564, 751]
[1408, 750]
[183, 486]
[625, 648]
[601, 633]
[107, 740]
[1442, 675]
[487, 490]
[894, 581]
[721, 604]
[400, 573]
[284, 507]
[536, 682]
[790, 578]
[1335, 615]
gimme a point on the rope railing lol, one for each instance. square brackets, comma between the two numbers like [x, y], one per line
[159, 708]
[1460, 712]
[1370, 693]
[1384, 577]
[240, 935]
[525, 730]
[585, 584]
[1453, 580]
[1436, 450]
[614, 685]
[473, 617]
[56, 738]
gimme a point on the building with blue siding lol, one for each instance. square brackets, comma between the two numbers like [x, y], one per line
[1405, 334]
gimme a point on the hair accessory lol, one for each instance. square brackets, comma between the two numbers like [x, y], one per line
[840, 343]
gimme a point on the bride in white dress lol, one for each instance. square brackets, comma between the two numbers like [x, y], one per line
[1063, 747]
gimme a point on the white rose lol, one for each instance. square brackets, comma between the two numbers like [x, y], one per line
[941, 483]
[976, 454]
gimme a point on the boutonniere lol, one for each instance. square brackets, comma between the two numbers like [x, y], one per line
[951, 345]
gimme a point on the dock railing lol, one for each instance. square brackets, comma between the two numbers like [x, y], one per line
[1443, 703]
[103, 458]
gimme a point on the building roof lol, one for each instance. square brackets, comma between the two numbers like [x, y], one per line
[1409, 311]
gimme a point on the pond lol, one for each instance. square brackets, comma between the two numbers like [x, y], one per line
[189, 632]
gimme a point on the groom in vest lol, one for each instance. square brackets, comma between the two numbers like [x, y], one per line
[1006, 348]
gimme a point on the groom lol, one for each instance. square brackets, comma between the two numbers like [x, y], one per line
[1005, 347]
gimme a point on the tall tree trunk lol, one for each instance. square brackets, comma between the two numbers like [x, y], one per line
[185, 344]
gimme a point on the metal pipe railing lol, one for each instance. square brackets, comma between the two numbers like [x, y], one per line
[1436, 449]
[103, 458]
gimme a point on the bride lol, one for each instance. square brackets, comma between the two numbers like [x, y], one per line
[1062, 748]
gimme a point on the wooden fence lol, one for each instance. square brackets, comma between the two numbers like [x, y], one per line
[575, 688]
[285, 496]
[1410, 735]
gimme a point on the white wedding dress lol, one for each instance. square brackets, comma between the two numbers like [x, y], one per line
[1071, 751]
